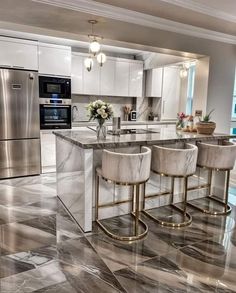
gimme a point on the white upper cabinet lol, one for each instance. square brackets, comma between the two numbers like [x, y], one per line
[91, 83]
[54, 59]
[136, 79]
[16, 53]
[121, 78]
[77, 82]
[108, 78]
[154, 79]
[117, 77]
[170, 92]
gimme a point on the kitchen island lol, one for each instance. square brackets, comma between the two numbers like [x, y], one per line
[78, 153]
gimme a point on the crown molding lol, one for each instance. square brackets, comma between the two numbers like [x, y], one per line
[202, 8]
[129, 16]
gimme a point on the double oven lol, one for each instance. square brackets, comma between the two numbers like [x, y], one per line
[55, 102]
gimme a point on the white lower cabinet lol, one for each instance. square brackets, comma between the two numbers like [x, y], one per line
[48, 151]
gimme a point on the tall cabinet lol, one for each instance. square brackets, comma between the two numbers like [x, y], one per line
[170, 92]
[164, 83]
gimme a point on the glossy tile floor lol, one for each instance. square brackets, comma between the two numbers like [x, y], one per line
[43, 250]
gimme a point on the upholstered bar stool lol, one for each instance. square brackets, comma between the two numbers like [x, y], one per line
[130, 170]
[178, 162]
[216, 158]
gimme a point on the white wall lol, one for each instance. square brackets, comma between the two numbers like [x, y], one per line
[201, 85]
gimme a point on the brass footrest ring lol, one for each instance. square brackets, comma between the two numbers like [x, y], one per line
[125, 238]
[212, 212]
[171, 224]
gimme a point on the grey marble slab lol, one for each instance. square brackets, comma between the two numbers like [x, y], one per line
[88, 139]
[126, 123]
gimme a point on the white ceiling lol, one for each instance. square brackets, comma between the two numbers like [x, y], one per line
[227, 6]
[220, 9]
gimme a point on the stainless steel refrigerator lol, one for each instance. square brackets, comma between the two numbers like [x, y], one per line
[19, 123]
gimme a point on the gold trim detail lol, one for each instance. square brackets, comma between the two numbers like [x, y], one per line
[227, 207]
[187, 217]
[135, 205]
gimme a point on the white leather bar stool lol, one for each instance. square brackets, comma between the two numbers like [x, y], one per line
[216, 158]
[125, 169]
[178, 162]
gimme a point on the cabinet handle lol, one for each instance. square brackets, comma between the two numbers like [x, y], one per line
[19, 67]
[163, 108]
[6, 66]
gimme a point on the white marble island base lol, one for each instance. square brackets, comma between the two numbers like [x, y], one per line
[76, 166]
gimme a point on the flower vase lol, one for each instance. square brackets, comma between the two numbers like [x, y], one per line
[101, 129]
[179, 124]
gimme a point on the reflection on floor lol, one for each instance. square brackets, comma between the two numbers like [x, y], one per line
[43, 250]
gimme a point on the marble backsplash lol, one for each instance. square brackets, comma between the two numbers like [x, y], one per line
[82, 101]
[142, 105]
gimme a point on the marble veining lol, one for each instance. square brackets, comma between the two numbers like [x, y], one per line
[88, 139]
[50, 253]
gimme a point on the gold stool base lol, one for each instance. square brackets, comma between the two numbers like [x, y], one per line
[125, 238]
[187, 222]
[227, 208]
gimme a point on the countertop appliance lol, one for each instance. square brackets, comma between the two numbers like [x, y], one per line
[133, 115]
[51, 87]
[19, 123]
[55, 114]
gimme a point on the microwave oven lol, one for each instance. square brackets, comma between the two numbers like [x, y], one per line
[54, 87]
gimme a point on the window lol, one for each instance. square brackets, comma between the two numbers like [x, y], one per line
[234, 100]
[190, 89]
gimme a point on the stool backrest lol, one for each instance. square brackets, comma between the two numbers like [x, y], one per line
[126, 168]
[217, 156]
[174, 161]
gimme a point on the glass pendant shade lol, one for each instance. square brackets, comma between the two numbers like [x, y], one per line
[101, 58]
[183, 73]
[88, 62]
[94, 46]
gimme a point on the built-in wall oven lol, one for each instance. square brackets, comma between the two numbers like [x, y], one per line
[55, 114]
[55, 102]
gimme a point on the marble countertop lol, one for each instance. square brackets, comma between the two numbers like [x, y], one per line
[87, 138]
[94, 123]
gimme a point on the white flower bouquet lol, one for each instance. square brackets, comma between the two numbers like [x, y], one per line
[100, 111]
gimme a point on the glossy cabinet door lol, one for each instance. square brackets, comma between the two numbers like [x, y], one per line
[108, 78]
[122, 78]
[18, 54]
[54, 60]
[92, 80]
[77, 80]
[48, 151]
[135, 79]
[154, 81]
[170, 93]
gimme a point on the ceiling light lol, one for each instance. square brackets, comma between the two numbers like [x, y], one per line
[101, 58]
[94, 47]
[183, 72]
[88, 62]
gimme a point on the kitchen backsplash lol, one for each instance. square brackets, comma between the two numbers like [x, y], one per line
[80, 113]
[142, 105]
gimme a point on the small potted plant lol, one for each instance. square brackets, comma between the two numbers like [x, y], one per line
[205, 125]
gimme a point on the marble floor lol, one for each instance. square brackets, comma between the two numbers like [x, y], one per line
[43, 250]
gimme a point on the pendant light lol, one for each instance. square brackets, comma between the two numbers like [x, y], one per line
[94, 49]
[101, 58]
[88, 62]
